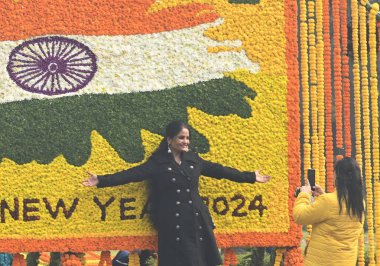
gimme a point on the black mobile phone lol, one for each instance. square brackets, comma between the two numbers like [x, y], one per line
[311, 177]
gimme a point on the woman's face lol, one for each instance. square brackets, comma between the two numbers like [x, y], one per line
[180, 143]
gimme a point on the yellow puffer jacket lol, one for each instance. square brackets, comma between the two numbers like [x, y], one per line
[334, 239]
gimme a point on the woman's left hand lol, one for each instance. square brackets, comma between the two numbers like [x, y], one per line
[318, 191]
[261, 178]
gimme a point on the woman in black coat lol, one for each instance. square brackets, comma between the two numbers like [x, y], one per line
[182, 220]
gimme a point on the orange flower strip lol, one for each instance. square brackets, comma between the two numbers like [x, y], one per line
[71, 260]
[122, 17]
[346, 80]
[329, 137]
[230, 258]
[293, 110]
[18, 260]
[81, 244]
[293, 257]
[337, 73]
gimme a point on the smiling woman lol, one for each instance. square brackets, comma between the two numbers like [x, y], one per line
[179, 144]
[183, 222]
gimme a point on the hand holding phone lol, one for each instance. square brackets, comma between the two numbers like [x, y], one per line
[311, 178]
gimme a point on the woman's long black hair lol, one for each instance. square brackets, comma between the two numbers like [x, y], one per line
[349, 186]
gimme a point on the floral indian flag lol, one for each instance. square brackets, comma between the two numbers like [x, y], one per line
[89, 85]
[115, 61]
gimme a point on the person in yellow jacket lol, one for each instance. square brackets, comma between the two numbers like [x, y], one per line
[337, 217]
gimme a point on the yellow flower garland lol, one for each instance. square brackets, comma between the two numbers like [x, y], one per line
[337, 67]
[346, 108]
[134, 259]
[357, 98]
[313, 88]
[329, 136]
[374, 94]
[305, 85]
[321, 94]
[279, 255]
[313, 95]
[366, 129]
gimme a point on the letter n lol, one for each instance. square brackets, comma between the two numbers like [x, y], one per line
[15, 214]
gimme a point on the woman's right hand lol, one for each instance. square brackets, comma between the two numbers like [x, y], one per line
[318, 190]
[92, 181]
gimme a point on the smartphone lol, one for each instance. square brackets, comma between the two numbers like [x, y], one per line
[311, 177]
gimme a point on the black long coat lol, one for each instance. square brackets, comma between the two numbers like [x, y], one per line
[182, 220]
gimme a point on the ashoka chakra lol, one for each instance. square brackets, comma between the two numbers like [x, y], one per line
[52, 65]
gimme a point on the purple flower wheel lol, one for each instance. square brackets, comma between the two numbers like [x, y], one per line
[52, 65]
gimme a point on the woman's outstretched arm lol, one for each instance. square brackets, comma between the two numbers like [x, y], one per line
[134, 174]
[219, 171]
